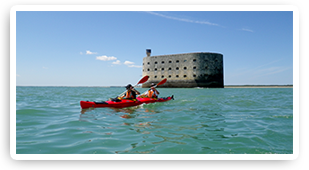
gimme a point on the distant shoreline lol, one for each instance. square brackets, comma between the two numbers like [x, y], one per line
[226, 86]
[258, 86]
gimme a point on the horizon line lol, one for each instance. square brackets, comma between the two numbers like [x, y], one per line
[137, 86]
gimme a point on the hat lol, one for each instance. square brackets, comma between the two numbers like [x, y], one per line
[128, 86]
[152, 84]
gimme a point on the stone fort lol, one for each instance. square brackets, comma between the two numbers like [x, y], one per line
[199, 69]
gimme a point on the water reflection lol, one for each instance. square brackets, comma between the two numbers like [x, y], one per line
[172, 139]
[83, 111]
[129, 111]
[154, 129]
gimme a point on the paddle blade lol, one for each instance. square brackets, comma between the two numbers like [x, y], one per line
[143, 80]
[162, 82]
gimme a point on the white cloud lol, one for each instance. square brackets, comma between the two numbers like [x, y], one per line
[248, 30]
[89, 52]
[182, 19]
[128, 63]
[105, 58]
[135, 66]
[268, 64]
[44, 67]
[261, 69]
[116, 62]
[272, 70]
[131, 64]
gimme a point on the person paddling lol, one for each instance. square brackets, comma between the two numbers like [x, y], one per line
[130, 93]
[152, 92]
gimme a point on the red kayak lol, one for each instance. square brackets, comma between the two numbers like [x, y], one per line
[114, 104]
[153, 100]
[123, 103]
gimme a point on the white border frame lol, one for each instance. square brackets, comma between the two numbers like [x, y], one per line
[154, 8]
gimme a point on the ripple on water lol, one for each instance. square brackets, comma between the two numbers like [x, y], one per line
[198, 121]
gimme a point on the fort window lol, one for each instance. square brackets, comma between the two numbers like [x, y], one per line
[177, 68]
[155, 77]
[194, 68]
[162, 69]
[177, 61]
[148, 63]
[184, 60]
[162, 76]
[148, 70]
[155, 69]
[170, 68]
[184, 75]
[177, 76]
[156, 62]
[162, 62]
[194, 75]
[169, 76]
[194, 60]
[170, 62]
[185, 68]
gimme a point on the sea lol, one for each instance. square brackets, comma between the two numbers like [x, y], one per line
[49, 120]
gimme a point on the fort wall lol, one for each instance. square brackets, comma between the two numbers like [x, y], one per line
[185, 70]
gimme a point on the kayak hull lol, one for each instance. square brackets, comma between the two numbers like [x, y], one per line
[147, 100]
[121, 104]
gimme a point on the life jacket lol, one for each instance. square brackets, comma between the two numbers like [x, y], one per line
[130, 95]
[152, 93]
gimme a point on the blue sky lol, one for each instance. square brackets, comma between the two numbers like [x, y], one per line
[104, 48]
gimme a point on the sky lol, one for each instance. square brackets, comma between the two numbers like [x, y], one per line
[106, 48]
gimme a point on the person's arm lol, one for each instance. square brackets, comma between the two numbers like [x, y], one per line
[123, 95]
[157, 91]
[137, 92]
[144, 94]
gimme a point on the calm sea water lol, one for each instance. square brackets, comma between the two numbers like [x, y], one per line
[49, 120]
